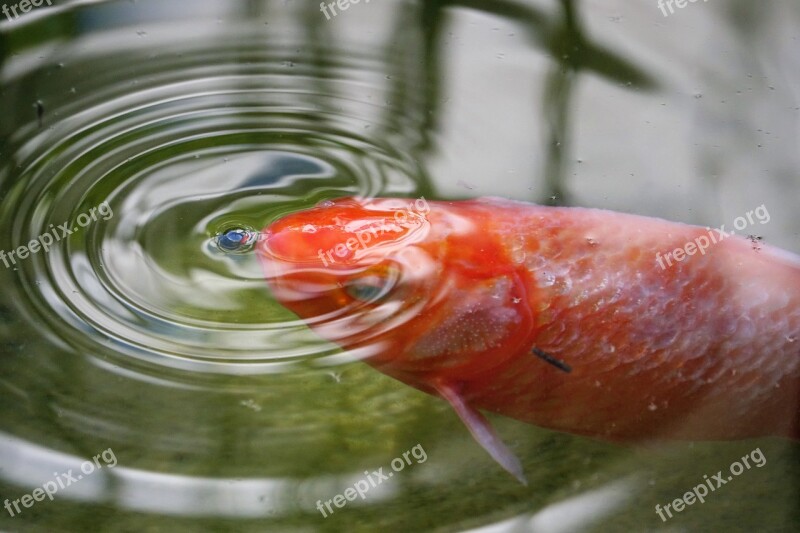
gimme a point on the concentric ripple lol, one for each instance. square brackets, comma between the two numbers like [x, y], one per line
[179, 151]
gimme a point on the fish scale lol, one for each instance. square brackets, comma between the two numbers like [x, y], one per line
[559, 317]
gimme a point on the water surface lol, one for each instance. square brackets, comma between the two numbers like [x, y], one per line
[137, 333]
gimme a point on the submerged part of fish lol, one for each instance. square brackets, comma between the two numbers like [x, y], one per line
[568, 318]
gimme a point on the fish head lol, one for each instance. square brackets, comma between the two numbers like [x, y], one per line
[345, 265]
[395, 282]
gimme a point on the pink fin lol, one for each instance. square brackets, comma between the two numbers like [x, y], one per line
[483, 432]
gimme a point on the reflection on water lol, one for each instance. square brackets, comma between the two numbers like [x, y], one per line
[140, 333]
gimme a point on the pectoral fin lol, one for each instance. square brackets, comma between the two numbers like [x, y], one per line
[482, 431]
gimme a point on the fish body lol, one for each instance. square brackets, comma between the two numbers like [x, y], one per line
[578, 320]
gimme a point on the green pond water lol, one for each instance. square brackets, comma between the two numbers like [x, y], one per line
[150, 127]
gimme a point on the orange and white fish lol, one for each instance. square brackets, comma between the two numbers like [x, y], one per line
[580, 320]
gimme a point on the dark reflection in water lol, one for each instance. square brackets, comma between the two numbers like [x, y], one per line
[141, 335]
[562, 38]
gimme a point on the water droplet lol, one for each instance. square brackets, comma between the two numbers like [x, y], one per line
[562, 285]
[535, 262]
[607, 347]
[251, 404]
[545, 279]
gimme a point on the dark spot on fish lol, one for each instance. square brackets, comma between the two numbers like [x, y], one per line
[755, 240]
[559, 364]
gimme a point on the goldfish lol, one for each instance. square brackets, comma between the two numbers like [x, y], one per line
[607, 325]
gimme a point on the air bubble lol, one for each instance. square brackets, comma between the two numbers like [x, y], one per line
[237, 240]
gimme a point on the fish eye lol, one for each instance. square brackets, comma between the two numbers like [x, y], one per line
[369, 288]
